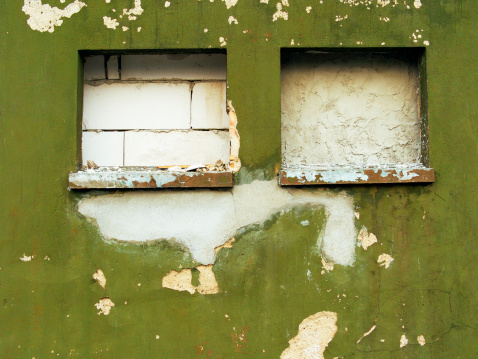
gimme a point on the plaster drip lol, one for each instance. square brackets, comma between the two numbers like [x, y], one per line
[204, 219]
[315, 333]
[43, 17]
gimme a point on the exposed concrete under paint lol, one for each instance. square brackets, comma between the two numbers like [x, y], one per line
[349, 109]
[202, 220]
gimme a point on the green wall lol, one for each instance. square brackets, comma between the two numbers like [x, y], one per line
[430, 230]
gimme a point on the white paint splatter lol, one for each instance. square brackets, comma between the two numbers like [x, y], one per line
[26, 258]
[403, 341]
[110, 23]
[43, 17]
[315, 334]
[231, 20]
[384, 260]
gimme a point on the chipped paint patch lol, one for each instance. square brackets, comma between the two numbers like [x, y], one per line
[43, 17]
[167, 4]
[421, 340]
[234, 161]
[366, 239]
[403, 341]
[99, 276]
[228, 244]
[326, 266]
[308, 9]
[305, 223]
[384, 260]
[104, 306]
[137, 10]
[367, 333]
[26, 258]
[315, 333]
[182, 281]
[222, 41]
[110, 23]
[230, 3]
[417, 4]
[231, 20]
[279, 14]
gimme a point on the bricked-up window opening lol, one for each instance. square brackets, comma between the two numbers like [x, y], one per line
[157, 113]
[354, 117]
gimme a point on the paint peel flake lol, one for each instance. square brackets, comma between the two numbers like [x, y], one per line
[327, 266]
[421, 340]
[228, 244]
[43, 17]
[230, 3]
[231, 20]
[417, 4]
[182, 281]
[104, 306]
[384, 260]
[279, 14]
[366, 239]
[403, 341]
[315, 333]
[110, 23]
[234, 161]
[367, 333]
[137, 10]
[99, 276]
[26, 258]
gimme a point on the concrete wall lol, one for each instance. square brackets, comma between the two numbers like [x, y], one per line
[253, 271]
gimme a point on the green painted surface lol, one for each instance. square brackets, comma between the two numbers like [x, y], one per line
[430, 288]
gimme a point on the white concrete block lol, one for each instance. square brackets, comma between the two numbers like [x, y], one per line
[126, 106]
[104, 148]
[94, 67]
[112, 67]
[176, 148]
[174, 66]
[208, 106]
[353, 109]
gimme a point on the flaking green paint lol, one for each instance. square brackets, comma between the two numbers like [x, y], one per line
[430, 230]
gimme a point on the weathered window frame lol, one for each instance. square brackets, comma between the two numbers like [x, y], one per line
[143, 176]
[416, 173]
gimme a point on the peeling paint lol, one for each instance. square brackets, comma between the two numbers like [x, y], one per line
[279, 14]
[222, 41]
[234, 161]
[366, 239]
[203, 220]
[385, 260]
[104, 306]
[421, 340]
[367, 333]
[43, 17]
[26, 258]
[99, 276]
[228, 244]
[403, 341]
[417, 4]
[327, 266]
[230, 3]
[308, 8]
[110, 23]
[315, 333]
[182, 281]
[231, 20]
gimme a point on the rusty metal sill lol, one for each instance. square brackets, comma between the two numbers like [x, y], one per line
[148, 179]
[328, 176]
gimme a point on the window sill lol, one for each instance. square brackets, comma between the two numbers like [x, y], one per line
[91, 179]
[348, 175]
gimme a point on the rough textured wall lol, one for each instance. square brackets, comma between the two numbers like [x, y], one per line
[408, 291]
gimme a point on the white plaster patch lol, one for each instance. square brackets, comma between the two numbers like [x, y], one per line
[110, 23]
[26, 258]
[203, 219]
[315, 333]
[231, 20]
[385, 260]
[104, 306]
[43, 17]
[403, 341]
[366, 239]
